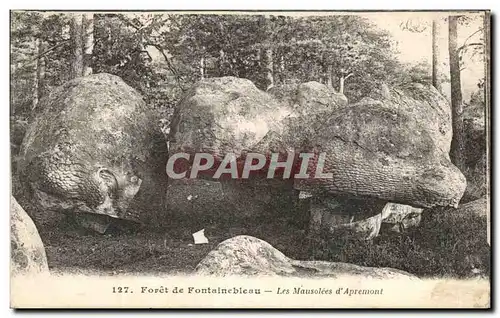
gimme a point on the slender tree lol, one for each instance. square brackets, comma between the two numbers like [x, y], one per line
[457, 144]
[88, 35]
[36, 75]
[436, 34]
[40, 70]
[77, 45]
[436, 52]
[202, 67]
[267, 57]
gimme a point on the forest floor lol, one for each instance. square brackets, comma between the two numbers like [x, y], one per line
[446, 244]
[170, 251]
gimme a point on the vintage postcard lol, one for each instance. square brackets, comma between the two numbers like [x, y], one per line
[263, 159]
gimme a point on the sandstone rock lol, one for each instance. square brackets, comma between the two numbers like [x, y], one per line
[392, 146]
[374, 152]
[249, 256]
[479, 207]
[424, 104]
[95, 148]
[361, 218]
[379, 152]
[399, 217]
[27, 250]
[223, 115]
[476, 158]
[309, 98]
[390, 149]
[315, 97]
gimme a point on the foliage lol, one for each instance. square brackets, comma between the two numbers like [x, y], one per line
[447, 244]
[161, 55]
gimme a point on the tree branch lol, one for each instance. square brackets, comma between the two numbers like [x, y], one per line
[147, 53]
[57, 46]
[348, 75]
[169, 64]
[136, 26]
[470, 44]
[470, 36]
[155, 45]
[50, 49]
[128, 22]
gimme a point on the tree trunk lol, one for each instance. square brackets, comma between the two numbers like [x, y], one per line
[329, 75]
[324, 70]
[457, 143]
[13, 86]
[202, 68]
[282, 67]
[34, 98]
[269, 68]
[222, 57]
[436, 74]
[268, 53]
[343, 78]
[88, 35]
[276, 66]
[342, 84]
[77, 45]
[40, 70]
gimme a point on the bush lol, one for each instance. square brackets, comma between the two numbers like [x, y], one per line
[446, 244]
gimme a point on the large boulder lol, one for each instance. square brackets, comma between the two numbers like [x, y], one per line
[377, 152]
[249, 256]
[27, 250]
[309, 98]
[223, 115]
[220, 116]
[424, 104]
[476, 155]
[95, 149]
[480, 207]
[392, 149]
[315, 97]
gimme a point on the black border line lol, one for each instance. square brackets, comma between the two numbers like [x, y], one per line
[489, 67]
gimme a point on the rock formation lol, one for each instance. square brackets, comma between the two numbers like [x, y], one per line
[223, 115]
[27, 250]
[391, 147]
[476, 157]
[249, 256]
[309, 98]
[399, 217]
[378, 152]
[95, 148]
